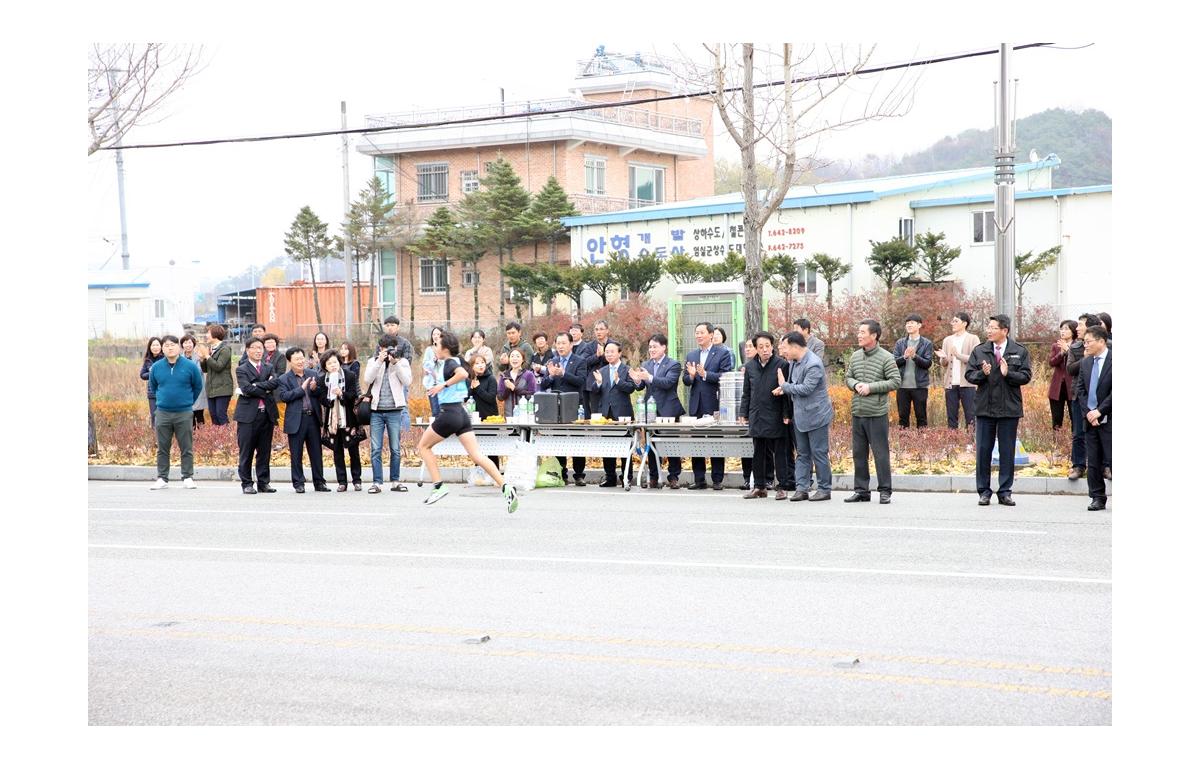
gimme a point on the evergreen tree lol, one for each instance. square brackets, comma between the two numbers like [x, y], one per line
[439, 242]
[543, 219]
[891, 261]
[507, 201]
[371, 228]
[599, 278]
[1028, 268]
[637, 275]
[831, 270]
[571, 285]
[308, 241]
[934, 256]
[781, 272]
[472, 238]
[685, 269]
[732, 267]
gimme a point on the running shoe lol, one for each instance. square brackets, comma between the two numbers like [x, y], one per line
[510, 496]
[437, 495]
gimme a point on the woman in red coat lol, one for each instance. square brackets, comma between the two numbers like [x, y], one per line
[1062, 384]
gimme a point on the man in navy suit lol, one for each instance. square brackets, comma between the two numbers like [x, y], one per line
[256, 415]
[301, 389]
[611, 387]
[567, 372]
[1093, 388]
[659, 376]
[593, 354]
[702, 372]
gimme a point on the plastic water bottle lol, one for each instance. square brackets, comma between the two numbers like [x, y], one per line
[581, 414]
[651, 410]
[520, 411]
[528, 411]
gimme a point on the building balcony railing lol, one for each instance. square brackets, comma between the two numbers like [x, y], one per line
[589, 204]
[631, 116]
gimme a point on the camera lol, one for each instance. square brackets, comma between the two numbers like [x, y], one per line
[391, 353]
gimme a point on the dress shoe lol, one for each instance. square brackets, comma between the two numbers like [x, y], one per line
[299, 488]
[323, 489]
[885, 497]
[645, 483]
[654, 484]
[857, 497]
[341, 488]
[781, 495]
[1075, 473]
[718, 487]
[820, 496]
[1108, 473]
[673, 485]
[1097, 505]
[609, 484]
[579, 481]
[800, 496]
[265, 489]
[1007, 500]
[697, 486]
[757, 493]
[358, 486]
[745, 486]
[985, 499]
[248, 489]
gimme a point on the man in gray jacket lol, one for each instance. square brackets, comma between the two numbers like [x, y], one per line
[812, 412]
[871, 373]
[802, 326]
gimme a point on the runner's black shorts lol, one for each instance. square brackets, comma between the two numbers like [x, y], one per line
[452, 420]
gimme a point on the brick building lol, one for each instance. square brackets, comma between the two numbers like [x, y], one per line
[606, 159]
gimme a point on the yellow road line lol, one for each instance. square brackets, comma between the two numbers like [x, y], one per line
[619, 660]
[645, 643]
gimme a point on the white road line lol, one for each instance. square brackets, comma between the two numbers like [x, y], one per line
[866, 527]
[600, 561]
[240, 511]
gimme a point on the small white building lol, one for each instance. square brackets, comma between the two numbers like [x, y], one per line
[842, 218]
[139, 303]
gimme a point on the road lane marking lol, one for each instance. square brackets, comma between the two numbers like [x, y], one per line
[867, 527]
[238, 512]
[459, 649]
[622, 641]
[606, 561]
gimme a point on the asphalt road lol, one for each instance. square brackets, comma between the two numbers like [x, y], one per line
[599, 607]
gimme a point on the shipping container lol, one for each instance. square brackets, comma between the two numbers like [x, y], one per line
[288, 312]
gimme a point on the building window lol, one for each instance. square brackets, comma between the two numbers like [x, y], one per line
[906, 231]
[984, 227]
[807, 280]
[469, 278]
[646, 185]
[624, 293]
[433, 182]
[470, 181]
[433, 276]
[160, 309]
[593, 175]
[118, 307]
[385, 171]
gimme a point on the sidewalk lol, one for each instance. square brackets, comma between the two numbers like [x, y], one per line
[282, 477]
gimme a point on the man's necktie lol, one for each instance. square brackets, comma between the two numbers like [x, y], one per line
[1095, 383]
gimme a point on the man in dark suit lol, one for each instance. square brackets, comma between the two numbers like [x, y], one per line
[659, 376]
[566, 372]
[702, 372]
[1093, 388]
[256, 415]
[611, 387]
[998, 367]
[302, 419]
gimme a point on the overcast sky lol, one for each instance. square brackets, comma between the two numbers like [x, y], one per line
[228, 206]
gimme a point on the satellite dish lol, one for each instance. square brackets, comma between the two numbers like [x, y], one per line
[1033, 156]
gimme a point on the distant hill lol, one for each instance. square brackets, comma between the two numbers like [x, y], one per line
[1082, 140]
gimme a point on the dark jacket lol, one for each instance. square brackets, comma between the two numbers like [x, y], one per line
[663, 388]
[705, 396]
[349, 395]
[1103, 387]
[218, 378]
[1074, 358]
[574, 377]
[145, 374]
[291, 393]
[922, 359]
[526, 386]
[1058, 361]
[764, 411]
[999, 397]
[612, 398]
[256, 386]
[485, 394]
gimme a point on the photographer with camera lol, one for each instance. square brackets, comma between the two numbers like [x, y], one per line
[384, 383]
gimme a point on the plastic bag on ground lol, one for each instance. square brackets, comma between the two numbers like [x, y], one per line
[478, 477]
[550, 473]
[521, 470]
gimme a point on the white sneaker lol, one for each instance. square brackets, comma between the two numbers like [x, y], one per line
[187, 483]
[159, 484]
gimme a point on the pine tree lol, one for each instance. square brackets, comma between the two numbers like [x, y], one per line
[1028, 268]
[308, 241]
[472, 238]
[934, 256]
[439, 242]
[685, 269]
[781, 272]
[599, 278]
[637, 275]
[831, 270]
[891, 260]
[543, 219]
[507, 201]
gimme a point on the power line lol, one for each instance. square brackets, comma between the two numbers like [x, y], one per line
[579, 108]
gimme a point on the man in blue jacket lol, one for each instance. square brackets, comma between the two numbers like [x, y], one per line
[702, 372]
[659, 376]
[914, 355]
[301, 389]
[812, 413]
[175, 382]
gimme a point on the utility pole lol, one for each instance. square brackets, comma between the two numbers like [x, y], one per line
[120, 179]
[1005, 213]
[346, 219]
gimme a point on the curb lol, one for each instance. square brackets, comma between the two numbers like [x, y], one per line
[920, 483]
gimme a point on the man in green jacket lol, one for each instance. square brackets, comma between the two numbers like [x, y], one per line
[872, 373]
